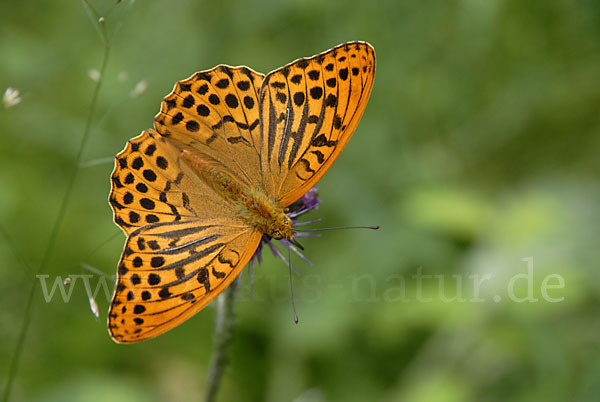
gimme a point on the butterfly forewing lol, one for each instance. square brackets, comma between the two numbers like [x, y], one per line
[216, 113]
[309, 110]
[170, 271]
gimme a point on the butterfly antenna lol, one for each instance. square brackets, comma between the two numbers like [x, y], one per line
[340, 227]
[291, 285]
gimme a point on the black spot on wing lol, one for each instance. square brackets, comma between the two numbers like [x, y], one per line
[314, 75]
[222, 83]
[188, 102]
[243, 85]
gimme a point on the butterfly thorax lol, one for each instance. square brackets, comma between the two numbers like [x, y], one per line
[254, 205]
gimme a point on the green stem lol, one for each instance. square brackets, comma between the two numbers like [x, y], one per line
[14, 362]
[223, 330]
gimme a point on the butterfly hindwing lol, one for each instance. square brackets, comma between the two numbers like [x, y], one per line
[309, 110]
[169, 271]
[215, 113]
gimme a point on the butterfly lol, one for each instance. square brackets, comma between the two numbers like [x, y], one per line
[231, 149]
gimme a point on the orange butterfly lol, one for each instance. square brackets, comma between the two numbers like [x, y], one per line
[230, 150]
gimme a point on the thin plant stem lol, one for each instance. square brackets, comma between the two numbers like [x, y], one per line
[223, 330]
[13, 367]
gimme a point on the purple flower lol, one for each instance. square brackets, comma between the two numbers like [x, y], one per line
[306, 203]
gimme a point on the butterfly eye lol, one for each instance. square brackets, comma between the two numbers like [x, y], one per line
[276, 235]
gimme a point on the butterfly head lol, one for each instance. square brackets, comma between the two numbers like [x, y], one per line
[281, 228]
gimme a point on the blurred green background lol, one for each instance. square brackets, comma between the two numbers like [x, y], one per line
[479, 149]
